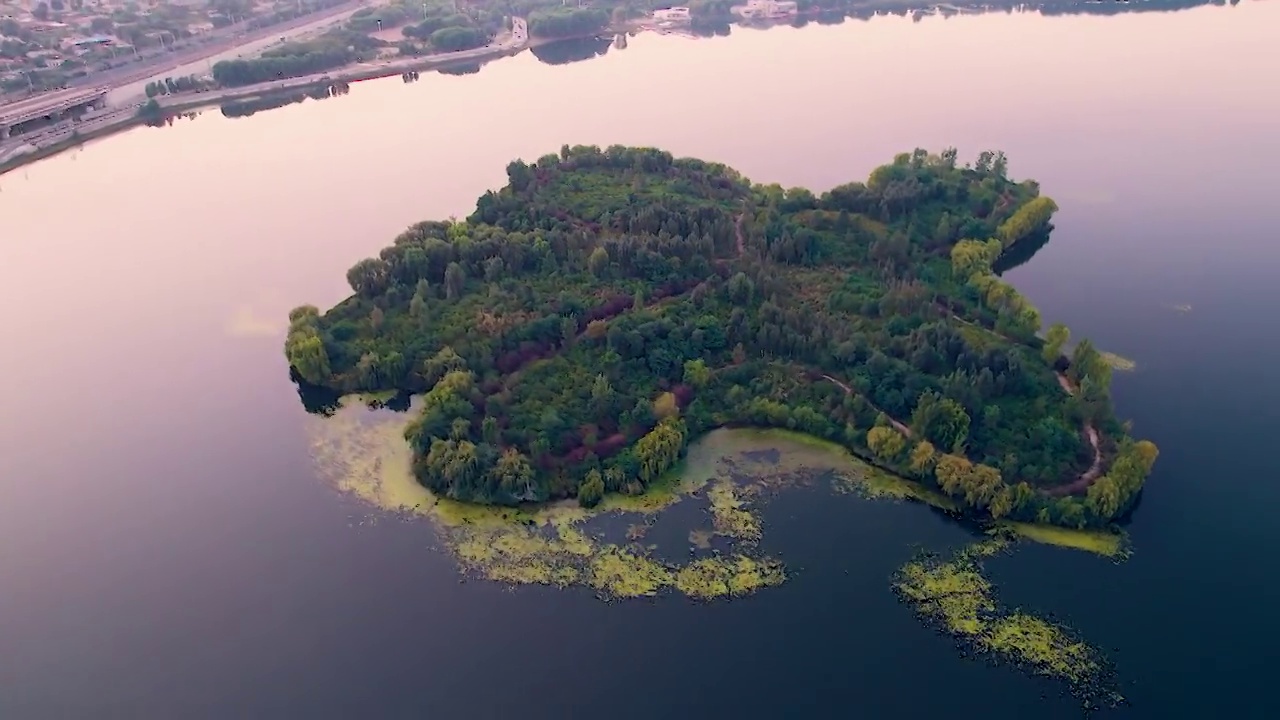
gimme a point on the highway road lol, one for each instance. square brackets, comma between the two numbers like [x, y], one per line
[126, 91]
[124, 112]
[219, 45]
[516, 40]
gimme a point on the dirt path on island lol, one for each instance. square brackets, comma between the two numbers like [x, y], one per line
[1095, 470]
[849, 391]
[737, 232]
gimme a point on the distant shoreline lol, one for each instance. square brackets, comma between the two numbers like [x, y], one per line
[356, 73]
[350, 74]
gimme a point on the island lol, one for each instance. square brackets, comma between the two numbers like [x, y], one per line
[589, 320]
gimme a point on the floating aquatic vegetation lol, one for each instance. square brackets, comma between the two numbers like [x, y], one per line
[1107, 543]
[1118, 362]
[1043, 646]
[727, 513]
[718, 577]
[955, 597]
[619, 573]
[872, 482]
[361, 450]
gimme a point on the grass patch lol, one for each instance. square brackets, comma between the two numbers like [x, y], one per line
[1118, 362]
[1107, 543]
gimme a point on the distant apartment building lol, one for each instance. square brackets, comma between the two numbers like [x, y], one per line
[766, 9]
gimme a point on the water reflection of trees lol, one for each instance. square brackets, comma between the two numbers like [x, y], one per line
[1022, 251]
[251, 106]
[563, 52]
[833, 12]
[460, 69]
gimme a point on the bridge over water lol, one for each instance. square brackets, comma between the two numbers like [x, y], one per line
[51, 106]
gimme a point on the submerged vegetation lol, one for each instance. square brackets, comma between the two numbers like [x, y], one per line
[607, 307]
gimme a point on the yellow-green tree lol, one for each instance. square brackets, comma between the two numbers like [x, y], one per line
[666, 406]
[886, 443]
[974, 257]
[514, 475]
[696, 373]
[1028, 219]
[660, 449]
[923, 457]
[591, 491]
[303, 347]
[1054, 338]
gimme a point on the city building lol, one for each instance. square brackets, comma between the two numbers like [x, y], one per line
[766, 9]
[671, 15]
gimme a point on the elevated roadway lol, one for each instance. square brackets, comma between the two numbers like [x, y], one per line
[52, 106]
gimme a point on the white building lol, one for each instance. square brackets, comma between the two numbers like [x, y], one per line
[671, 15]
[766, 9]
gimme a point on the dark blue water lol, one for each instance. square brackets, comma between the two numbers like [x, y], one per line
[168, 550]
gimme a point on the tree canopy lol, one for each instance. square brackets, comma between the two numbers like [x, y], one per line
[607, 306]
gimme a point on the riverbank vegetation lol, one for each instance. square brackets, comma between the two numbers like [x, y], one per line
[333, 49]
[606, 307]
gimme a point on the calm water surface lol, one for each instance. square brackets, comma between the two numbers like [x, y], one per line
[167, 550]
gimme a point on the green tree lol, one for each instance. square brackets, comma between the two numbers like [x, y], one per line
[418, 304]
[1054, 338]
[598, 263]
[941, 420]
[455, 278]
[591, 491]
[568, 331]
[369, 277]
[696, 373]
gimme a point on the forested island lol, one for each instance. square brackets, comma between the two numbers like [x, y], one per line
[606, 307]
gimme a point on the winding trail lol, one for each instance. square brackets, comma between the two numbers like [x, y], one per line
[849, 391]
[1094, 472]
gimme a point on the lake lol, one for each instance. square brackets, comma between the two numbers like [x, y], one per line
[169, 549]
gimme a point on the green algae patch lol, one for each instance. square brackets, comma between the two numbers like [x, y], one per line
[364, 454]
[1045, 647]
[718, 577]
[618, 573]
[1118, 362]
[955, 597]
[874, 483]
[361, 450]
[1107, 543]
[727, 513]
